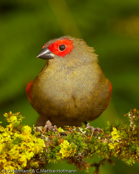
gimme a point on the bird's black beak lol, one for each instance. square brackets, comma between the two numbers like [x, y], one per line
[46, 54]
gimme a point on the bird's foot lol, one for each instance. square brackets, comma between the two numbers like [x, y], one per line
[49, 127]
[95, 131]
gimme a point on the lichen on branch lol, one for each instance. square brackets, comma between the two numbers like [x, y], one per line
[25, 147]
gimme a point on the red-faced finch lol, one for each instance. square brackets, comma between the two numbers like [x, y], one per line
[71, 88]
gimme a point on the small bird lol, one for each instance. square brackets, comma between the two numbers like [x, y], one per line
[71, 88]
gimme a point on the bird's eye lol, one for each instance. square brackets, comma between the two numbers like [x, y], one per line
[62, 47]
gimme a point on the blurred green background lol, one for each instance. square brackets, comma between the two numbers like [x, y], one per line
[110, 26]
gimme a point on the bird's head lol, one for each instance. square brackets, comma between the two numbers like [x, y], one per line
[69, 48]
[60, 47]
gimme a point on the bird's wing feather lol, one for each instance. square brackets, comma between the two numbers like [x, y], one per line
[110, 92]
[28, 90]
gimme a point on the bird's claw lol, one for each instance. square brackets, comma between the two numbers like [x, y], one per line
[49, 127]
[95, 131]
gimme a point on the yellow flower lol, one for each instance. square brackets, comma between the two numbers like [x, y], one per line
[60, 129]
[67, 149]
[114, 139]
[115, 134]
[1, 147]
[14, 152]
[2, 129]
[26, 130]
[23, 160]
[112, 145]
[17, 144]
[12, 119]
[40, 143]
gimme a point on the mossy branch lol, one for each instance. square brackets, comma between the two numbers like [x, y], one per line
[23, 147]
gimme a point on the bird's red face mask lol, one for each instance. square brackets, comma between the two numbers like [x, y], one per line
[60, 48]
